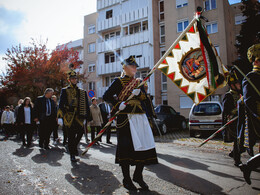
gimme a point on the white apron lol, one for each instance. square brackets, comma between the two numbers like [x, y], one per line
[141, 132]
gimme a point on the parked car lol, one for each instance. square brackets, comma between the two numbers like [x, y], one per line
[205, 117]
[168, 119]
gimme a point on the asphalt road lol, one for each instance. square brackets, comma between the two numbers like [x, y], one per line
[183, 169]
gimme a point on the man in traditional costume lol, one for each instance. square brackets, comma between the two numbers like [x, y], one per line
[229, 112]
[252, 111]
[135, 141]
[74, 109]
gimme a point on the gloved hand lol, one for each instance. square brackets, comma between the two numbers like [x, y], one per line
[122, 106]
[136, 92]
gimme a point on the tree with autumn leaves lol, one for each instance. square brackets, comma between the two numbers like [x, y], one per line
[32, 69]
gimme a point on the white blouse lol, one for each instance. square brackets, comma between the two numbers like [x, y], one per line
[27, 115]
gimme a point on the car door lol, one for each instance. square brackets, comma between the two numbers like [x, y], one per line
[166, 115]
[173, 118]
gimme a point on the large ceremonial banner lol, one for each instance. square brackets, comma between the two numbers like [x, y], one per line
[193, 64]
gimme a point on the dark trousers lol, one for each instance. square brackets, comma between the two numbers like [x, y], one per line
[65, 134]
[93, 129]
[46, 127]
[7, 129]
[27, 129]
[55, 133]
[75, 133]
[108, 131]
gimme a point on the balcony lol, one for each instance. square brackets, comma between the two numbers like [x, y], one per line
[135, 15]
[108, 23]
[135, 39]
[116, 67]
[109, 45]
[125, 41]
[101, 4]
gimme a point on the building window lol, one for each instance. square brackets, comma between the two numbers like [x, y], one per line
[91, 86]
[91, 29]
[162, 51]
[239, 19]
[164, 83]
[185, 102]
[91, 48]
[162, 34]
[212, 28]
[109, 58]
[145, 25]
[141, 74]
[125, 30]
[217, 48]
[91, 68]
[161, 10]
[110, 79]
[181, 3]
[135, 28]
[181, 25]
[210, 4]
[109, 14]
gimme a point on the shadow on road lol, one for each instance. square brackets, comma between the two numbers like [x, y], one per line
[194, 165]
[185, 180]
[85, 177]
[103, 147]
[50, 157]
[22, 151]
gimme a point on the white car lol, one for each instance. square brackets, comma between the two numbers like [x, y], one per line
[206, 116]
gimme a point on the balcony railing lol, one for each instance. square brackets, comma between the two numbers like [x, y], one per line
[116, 67]
[108, 23]
[135, 15]
[125, 41]
[105, 3]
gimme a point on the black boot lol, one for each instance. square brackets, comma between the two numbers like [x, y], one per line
[72, 158]
[127, 182]
[246, 173]
[138, 177]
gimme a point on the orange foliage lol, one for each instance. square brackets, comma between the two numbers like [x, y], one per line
[32, 69]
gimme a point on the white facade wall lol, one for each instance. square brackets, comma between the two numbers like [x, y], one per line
[125, 13]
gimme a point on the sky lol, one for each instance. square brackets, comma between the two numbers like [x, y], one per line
[59, 21]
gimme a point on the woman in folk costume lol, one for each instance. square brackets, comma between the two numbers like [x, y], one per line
[134, 135]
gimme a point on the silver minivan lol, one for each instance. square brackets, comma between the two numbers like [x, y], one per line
[206, 116]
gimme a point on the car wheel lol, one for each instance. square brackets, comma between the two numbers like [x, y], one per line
[183, 125]
[163, 129]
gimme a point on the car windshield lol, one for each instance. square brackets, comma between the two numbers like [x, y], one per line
[207, 109]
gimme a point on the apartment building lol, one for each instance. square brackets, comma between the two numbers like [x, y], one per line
[220, 26]
[124, 27]
[146, 29]
[90, 52]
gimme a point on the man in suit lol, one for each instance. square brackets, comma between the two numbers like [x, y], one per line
[74, 109]
[45, 112]
[105, 112]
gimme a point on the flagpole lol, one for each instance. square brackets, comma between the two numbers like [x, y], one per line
[250, 82]
[221, 129]
[145, 79]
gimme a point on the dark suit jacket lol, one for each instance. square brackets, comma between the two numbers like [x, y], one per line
[104, 113]
[20, 115]
[40, 108]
